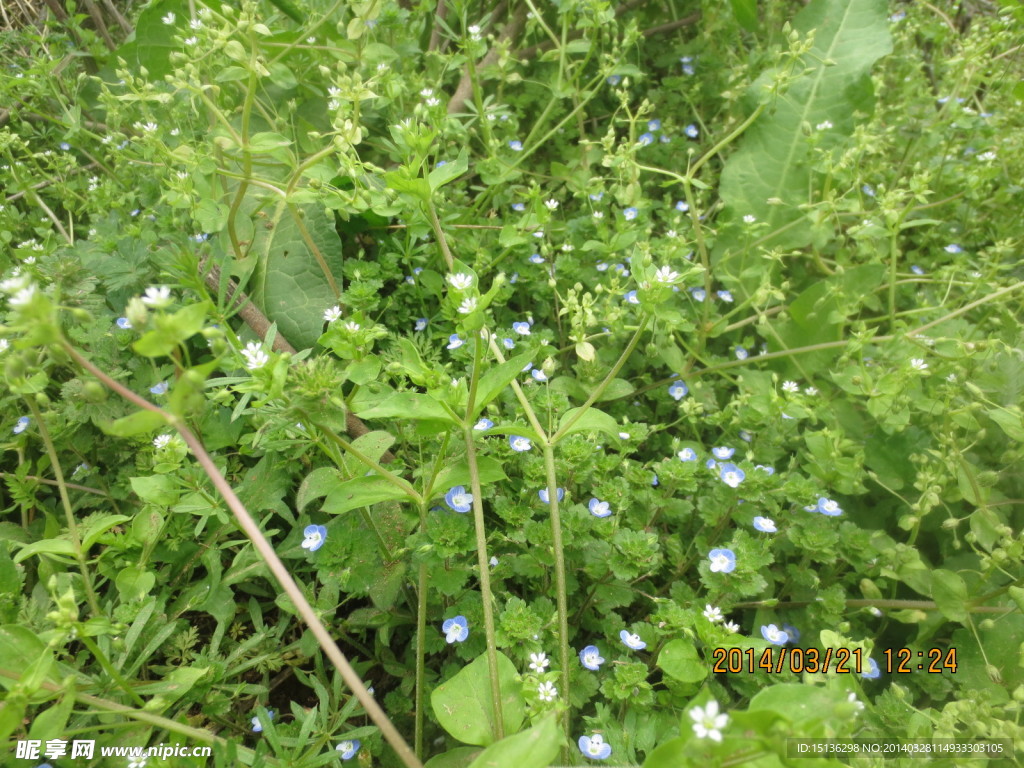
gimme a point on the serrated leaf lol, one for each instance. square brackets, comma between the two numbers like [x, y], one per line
[463, 705]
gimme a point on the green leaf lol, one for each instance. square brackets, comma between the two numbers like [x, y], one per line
[157, 489]
[773, 161]
[497, 378]
[950, 594]
[449, 171]
[98, 525]
[402, 181]
[1010, 420]
[373, 445]
[460, 757]
[10, 577]
[172, 330]
[463, 705]
[745, 12]
[51, 723]
[267, 141]
[134, 582]
[316, 485]
[536, 747]
[20, 648]
[592, 420]
[361, 492]
[136, 424]
[408, 405]
[175, 685]
[679, 660]
[46, 547]
[457, 473]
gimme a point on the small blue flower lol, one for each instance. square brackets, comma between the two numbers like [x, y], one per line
[916, 269]
[518, 207]
[315, 535]
[519, 444]
[654, 480]
[664, 138]
[546, 497]
[595, 747]
[793, 632]
[687, 454]
[774, 635]
[65, 146]
[536, 259]
[630, 213]
[539, 375]
[645, 139]
[682, 206]
[710, 463]
[765, 524]
[687, 62]
[421, 324]
[596, 196]
[632, 641]
[458, 499]
[348, 748]
[678, 390]
[509, 343]
[600, 508]
[953, 248]
[722, 560]
[699, 294]
[257, 727]
[454, 342]
[21, 425]
[124, 324]
[631, 298]
[692, 131]
[731, 474]
[591, 658]
[725, 296]
[159, 389]
[516, 145]
[767, 470]
[741, 353]
[872, 672]
[745, 436]
[829, 507]
[723, 452]
[522, 328]
[483, 424]
[654, 125]
[614, 79]
[456, 630]
[409, 279]
[868, 190]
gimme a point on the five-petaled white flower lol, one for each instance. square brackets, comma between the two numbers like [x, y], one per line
[539, 662]
[255, 357]
[707, 722]
[168, 19]
[468, 305]
[460, 281]
[551, 204]
[332, 314]
[547, 691]
[666, 275]
[158, 296]
[732, 626]
[713, 613]
[790, 386]
[918, 364]
[161, 441]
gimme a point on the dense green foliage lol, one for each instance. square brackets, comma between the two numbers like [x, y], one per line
[584, 350]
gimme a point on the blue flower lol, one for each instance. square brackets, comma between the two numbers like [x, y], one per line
[22, 425]
[348, 748]
[725, 296]
[632, 641]
[123, 324]
[591, 658]
[518, 207]
[483, 424]
[454, 342]
[731, 474]
[522, 328]
[601, 508]
[774, 635]
[692, 131]
[629, 213]
[710, 463]
[741, 353]
[508, 343]
[678, 390]
[159, 389]
[257, 727]
[546, 497]
[793, 632]
[687, 454]
[687, 62]
[916, 269]
[722, 560]
[539, 375]
[699, 294]
[455, 630]
[315, 535]
[665, 138]
[868, 190]
[723, 452]
[646, 139]
[953, 248]
[631, 298]
[596, 196]
[767, 470]
[595, 747]
[872, 672]
[516, 145]
[458, 499]
[614, 79]
[654, 125]
[829, 507]
[682, 206]
[421, 324]
[519, 444]
[536, 259]
[654, 480]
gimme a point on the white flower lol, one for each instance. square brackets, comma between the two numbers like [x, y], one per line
[467, 305]
[474, 31]
[823, 126]
[551, 204]
[162, 441]
[195, 24]
[707, 722]
[332, 314]
[168, 19]
[748, 219]
[4, 345]
[157, 296]
[713, 613]
[23, 297]
[254, 355]
[460, 281]
[539, 662]
[790, 386]
[191, 40]
[918, 364]
[666, 275]
[852, 698]
[732, 626]
[810, 391]
[547, 692]
[351, 326]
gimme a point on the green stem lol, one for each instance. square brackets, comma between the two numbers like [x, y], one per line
[116, 676]
[560, 586]
[345, 445]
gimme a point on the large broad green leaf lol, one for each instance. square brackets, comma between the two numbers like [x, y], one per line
[289, 283]
[407, 405]
[361, 492]
[773, 160]
[592, 420]
[533, 748]
[679, 660]
[463, 706]
[457, 473]
[497, 378]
